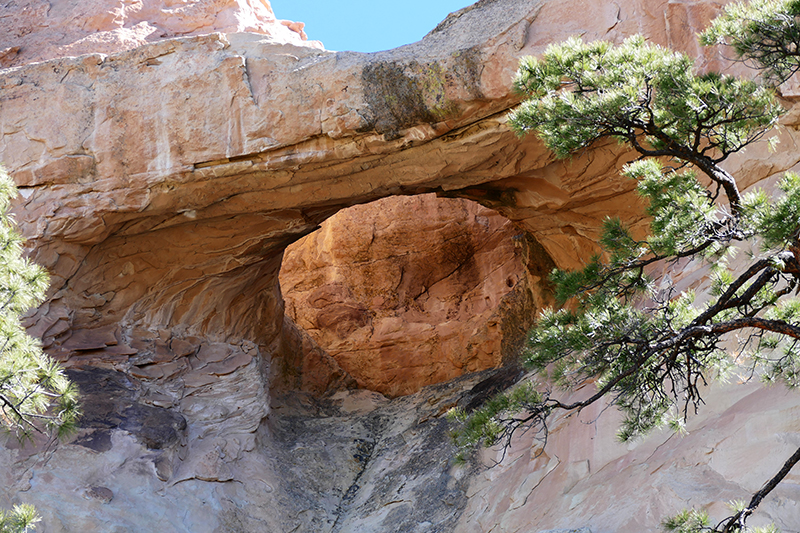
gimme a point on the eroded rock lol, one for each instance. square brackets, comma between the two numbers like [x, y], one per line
[411, 291]
[37, 30]
[160, 185]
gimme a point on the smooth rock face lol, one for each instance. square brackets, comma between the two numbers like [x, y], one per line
[161, 184]
[585, 478]
[411, 291]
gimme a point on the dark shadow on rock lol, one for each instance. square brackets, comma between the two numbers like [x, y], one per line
[109, 401]
[497, 382]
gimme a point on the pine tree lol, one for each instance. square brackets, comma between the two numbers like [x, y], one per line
[648, 347]
[35, 395]
[20, 519]
[763, 33]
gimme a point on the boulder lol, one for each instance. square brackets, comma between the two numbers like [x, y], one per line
[411, 291]
[168, 154]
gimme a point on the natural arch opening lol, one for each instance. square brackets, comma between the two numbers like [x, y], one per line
[408, 291]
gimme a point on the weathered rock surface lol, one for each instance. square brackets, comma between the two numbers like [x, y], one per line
[160, 186]
[395, 468]
[353, 462]
[37, 30]
[411, 291]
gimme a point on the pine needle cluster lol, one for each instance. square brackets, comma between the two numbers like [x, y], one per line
[35, 395]
[20, 519]
[765, 34]
[649, 347]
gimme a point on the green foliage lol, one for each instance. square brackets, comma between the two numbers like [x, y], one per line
[649, 347]
[488, 424]
[764, 33]
[778, 223]
[648, 357]
[680, 209]
[35, 394]
[688, 521]
[694, 521]
[641, 94]
[20, 519]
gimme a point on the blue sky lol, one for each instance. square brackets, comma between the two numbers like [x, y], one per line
[366, 25]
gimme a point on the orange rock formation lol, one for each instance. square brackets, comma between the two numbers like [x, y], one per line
[410, 291]
[164, 173]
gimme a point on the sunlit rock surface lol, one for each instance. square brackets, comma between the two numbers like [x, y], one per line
[164, 173]
[411, 291]
[37, 30]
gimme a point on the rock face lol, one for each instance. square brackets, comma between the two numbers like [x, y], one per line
[585, 478]
[36, 30]
[394, 467]
[161, 185]
[410, 291]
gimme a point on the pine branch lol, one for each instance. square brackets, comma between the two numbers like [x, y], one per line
[738, 521]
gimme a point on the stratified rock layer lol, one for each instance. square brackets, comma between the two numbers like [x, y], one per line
[160, 186]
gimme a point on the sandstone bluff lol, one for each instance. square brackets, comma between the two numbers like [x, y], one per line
[169, 153]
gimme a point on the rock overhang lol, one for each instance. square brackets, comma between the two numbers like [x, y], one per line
[181, 169]
[208, 154]
[163, 182]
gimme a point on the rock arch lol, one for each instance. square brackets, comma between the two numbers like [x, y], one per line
[172, 211]
[160, 186]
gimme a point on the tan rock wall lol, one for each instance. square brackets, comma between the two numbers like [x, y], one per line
[36, 30]
[160, 186]
[584, 477]
[239, 137]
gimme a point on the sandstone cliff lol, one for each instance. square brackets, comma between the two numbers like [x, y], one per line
[165, 172]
